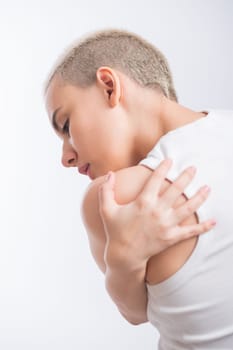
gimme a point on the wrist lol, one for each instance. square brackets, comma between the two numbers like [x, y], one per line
[121, 257]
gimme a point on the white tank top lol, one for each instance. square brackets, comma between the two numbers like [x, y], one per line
[193, 309]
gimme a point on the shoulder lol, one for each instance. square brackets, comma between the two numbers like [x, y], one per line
[129, 183]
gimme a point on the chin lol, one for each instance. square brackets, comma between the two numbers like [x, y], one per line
[101, 172]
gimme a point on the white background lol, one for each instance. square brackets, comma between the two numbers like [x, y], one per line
[52, 295]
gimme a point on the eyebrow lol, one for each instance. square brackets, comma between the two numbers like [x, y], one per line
[54, 121]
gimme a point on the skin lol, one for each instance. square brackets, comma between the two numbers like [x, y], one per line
[122, 118]
[112, 126]
[134, 207]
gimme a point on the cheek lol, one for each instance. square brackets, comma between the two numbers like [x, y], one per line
[77, 130]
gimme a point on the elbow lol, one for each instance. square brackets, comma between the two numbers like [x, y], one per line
[135, 320]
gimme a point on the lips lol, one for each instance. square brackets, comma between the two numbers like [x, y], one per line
[83, 169]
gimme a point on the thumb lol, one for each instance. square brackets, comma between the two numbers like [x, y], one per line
[107, 203]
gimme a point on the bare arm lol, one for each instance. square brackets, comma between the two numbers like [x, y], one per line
[126, 282]
[134, 291]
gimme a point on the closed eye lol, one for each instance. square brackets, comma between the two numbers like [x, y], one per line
[66, 127]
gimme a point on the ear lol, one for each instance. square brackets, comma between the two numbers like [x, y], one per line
[108, 80]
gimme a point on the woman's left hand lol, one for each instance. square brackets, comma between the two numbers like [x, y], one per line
[149, 224]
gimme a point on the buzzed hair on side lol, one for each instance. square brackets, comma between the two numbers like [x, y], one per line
[119, 49]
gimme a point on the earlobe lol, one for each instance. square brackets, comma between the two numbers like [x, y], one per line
[109, 82]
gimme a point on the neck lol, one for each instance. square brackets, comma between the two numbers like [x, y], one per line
[174, 115]
[162, 116]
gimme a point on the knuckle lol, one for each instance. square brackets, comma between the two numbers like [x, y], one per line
[164, 230]
[144, 202]
[145, 206]
[188, 235]
[156, 213]
[194, 232]
[189, 209]
[168, 238]
[178, 186]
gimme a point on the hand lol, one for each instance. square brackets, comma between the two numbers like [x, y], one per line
[149, 224]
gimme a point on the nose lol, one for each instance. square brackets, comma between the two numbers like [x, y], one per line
[69, 156]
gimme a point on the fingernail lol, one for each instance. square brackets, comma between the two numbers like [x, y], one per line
[192, 170]
[213, 222]
[205, 189]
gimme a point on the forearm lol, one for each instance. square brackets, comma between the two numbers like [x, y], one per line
[126, 286]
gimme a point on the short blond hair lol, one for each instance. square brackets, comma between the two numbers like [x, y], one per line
[119, 49]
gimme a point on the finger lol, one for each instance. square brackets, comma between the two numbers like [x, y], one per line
[152, 187]
[188, 208]
[174, 190]
[190, 231]
[107, 203]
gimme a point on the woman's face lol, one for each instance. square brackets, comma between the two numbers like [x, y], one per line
[96, 135]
